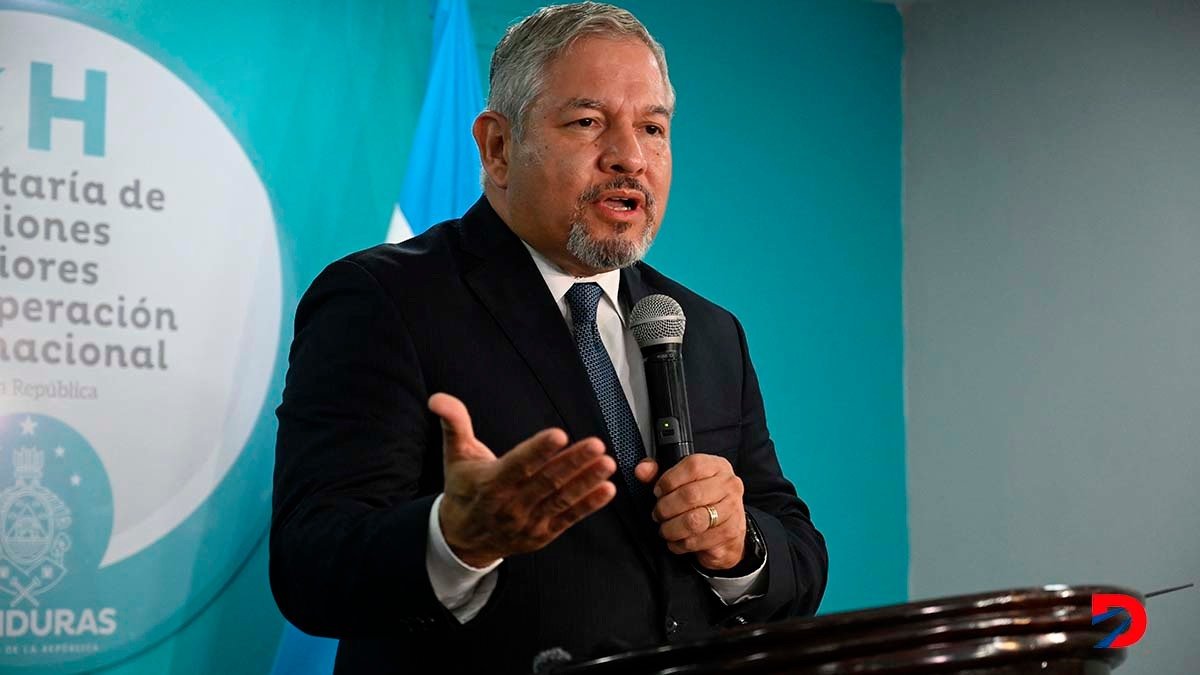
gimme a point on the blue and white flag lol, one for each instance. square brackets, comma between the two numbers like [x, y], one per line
[442, 181]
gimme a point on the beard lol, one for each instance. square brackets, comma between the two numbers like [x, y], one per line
[616, 252]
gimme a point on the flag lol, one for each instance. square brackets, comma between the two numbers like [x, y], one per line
[442, 181]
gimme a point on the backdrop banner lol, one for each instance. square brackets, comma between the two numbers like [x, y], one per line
[141, 298]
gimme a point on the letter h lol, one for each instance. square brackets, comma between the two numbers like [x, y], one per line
[44, 107]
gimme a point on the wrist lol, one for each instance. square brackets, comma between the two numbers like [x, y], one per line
[754, 553]
[477, 561]
[464, 553]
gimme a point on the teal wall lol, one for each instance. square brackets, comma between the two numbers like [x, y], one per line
[785, 209]
[789, 127]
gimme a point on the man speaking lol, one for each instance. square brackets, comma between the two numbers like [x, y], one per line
[461, 477]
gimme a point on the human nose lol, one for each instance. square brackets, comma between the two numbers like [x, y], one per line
[624, 154]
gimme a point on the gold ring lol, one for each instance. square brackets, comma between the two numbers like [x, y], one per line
[712, 516]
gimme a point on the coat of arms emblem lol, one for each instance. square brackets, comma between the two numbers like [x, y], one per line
[33, 537]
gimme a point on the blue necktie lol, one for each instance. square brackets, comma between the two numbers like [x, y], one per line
[622, 427]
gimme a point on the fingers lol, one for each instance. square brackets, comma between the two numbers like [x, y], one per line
[685, 492]
[458, 436]
[530, 455]
[579, 461]
[581, 485]
[575, 484]
[646, 470]
[721, 546]
[592, 502]
[690, 469]
[694, 523]
[720, 536]
[696, 495]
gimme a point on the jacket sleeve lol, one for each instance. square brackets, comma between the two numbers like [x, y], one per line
[349, 527]
[797, 560]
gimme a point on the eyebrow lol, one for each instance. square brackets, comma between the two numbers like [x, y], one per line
[578, 102]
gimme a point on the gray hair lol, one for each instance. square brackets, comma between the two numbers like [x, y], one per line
[518, 67]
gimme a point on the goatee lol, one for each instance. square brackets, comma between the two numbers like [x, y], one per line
[614, 252]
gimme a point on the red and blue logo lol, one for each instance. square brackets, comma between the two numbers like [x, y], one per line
[1106, 606]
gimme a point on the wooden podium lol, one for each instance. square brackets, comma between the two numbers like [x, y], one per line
[1045, 630]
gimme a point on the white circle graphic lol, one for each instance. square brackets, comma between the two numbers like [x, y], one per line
[188, 241]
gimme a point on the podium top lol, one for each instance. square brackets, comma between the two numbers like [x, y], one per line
[1049, 627]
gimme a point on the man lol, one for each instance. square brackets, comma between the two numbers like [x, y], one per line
[461, 478]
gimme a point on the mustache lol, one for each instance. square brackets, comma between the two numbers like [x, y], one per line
[620, 183]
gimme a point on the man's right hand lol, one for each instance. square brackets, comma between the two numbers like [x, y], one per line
[496, 507]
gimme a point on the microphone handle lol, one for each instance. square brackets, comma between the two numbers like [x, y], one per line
[669, 412]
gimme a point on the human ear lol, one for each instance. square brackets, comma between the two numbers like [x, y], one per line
[493, 136]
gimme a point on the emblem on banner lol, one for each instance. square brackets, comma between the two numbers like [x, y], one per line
[55, 523]
[33, 536]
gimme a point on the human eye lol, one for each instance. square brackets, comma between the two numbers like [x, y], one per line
[585, 123]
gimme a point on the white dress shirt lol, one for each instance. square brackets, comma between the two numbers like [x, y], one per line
[464, 590]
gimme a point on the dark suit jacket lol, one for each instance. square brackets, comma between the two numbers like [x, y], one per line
[463, 309]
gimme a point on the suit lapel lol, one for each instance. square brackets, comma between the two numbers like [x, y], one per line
[633, 286]
[508, 284]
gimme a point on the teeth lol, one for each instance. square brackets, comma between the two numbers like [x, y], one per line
[618, 204]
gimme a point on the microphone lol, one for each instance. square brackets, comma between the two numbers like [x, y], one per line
[658, 323]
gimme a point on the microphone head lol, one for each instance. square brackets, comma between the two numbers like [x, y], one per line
[657, 320]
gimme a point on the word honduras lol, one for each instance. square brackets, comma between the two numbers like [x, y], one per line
[57, 622]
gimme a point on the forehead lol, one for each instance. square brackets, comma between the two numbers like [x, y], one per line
[608, 70]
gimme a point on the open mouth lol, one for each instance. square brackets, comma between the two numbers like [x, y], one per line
[621, 203]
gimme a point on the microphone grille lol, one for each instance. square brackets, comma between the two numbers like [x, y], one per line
[656, 320]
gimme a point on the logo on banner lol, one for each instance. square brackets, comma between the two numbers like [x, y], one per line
[33, 531]
[55, 520]
[140, 316]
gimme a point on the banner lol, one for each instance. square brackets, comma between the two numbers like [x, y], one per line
[141, 296]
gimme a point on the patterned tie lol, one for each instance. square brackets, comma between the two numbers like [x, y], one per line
[626, 438]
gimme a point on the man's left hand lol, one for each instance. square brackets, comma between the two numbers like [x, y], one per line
[685, 494]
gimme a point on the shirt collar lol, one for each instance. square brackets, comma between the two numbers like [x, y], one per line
[559, 282]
